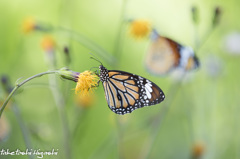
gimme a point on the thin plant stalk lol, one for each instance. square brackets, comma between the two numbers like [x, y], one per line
[103, 149]
[89, 44]
[119, 39]
[23, 128]
[83, 40]
[60, 103]
[196, 37]
[78, 120]
[157, 122]
[199, 45]
[119, 138]
[19, 85]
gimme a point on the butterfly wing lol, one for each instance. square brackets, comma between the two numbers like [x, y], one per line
[189, 60]
[162, 56]
[126, 92]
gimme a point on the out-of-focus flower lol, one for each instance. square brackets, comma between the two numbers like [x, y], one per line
[213, 66]
[7, 88]
[4, 128]
[87, 81]
[84, 101]
[232, 43]
[48, 44]
[140, 28]
[198, 150]
[217, 16]
[29, 25]
[67, 55]
[5, 81]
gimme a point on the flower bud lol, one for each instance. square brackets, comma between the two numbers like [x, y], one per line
[217, 16]
[68, 74]
[6, 83]
[195, 15]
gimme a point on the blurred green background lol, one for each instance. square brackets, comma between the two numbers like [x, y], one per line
[200, 115]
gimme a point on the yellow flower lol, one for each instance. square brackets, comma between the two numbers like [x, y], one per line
[198, 149]
[86, 82]
[140, 28]
[85, 101]
[48, 43]
[29, 25]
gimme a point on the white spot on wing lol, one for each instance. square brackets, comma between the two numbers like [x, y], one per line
[148, 94]
[148, 87]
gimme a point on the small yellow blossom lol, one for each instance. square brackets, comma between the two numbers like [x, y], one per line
[140, 28]
[29, 25]
[86, 82]
[198, 150]
[48, 43]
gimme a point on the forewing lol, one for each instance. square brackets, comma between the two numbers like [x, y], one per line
[126, 92]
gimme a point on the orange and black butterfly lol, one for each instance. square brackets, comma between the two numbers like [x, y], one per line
[165, 55]
[126, 92]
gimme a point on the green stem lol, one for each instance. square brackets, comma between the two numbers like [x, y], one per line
[119, 137]
[19, 85]
[157, 122]
[86, 42]
[23, 128]
[60, 103]
[103, 149]
[204, 39]
[119, 42]
[196, 37]
[89, 44]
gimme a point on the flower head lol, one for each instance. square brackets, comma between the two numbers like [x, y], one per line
[48, 43]
[86, 82]
[198, 150]
[140, 28]
[29, 25]
[68, 74]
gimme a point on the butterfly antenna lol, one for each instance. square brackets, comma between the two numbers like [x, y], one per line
[95, 58]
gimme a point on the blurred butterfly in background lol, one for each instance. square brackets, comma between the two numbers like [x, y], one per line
[126, 92]
[165, 55]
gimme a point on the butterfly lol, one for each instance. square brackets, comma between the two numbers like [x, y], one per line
[126, 92]
[165, 55]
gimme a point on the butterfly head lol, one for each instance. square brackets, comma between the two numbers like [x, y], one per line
[103, 73]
